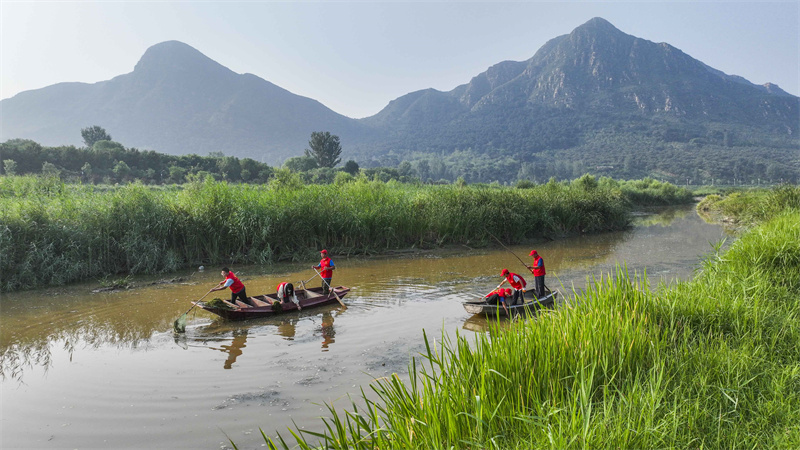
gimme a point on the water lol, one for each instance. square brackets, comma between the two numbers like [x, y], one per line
[83, 369]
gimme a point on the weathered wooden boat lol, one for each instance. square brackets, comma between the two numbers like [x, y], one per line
[258, 306]
[530, 306]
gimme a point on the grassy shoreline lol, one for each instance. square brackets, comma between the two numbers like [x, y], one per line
[53, 233]
[711, 362]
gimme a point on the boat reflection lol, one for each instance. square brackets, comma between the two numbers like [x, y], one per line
[478, 323]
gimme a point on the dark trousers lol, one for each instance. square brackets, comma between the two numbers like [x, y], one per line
[539, 282]
[518, 297]
[241, 295]
[325, 283]
[494, 299]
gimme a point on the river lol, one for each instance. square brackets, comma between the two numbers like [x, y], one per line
[83, 369]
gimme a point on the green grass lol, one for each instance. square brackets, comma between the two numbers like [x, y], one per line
[709, 363]
[53, 233]
[753, 205]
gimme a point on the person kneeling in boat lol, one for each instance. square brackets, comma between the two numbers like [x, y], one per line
[516, 282]
[232, 282]
[498, 296]
[285, 294]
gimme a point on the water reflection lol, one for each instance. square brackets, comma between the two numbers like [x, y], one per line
[37, 325]
[328, 333]
[661, 216]
[287, 329]
[235, 349]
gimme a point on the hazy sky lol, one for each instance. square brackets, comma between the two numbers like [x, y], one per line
[355, 57]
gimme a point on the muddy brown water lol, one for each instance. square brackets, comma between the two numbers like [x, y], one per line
[104, 370]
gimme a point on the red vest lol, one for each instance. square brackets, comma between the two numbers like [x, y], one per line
[280, 290]
[516, 284]
[324, 267]
[237, 285]
[538, 271]
[496, 291]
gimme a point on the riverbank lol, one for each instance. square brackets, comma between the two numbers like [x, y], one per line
[711, 362]
[52, 233]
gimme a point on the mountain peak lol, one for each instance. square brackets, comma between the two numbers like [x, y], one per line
[598, 24]
[175, 56]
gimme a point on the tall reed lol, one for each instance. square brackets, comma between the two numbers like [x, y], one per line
[53, 233]
[712, 362]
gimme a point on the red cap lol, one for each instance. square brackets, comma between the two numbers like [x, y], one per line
[533, 252]
[508, 292]
[504, 272]
[323, 251]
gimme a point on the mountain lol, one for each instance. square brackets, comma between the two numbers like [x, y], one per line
[176, 101]
[593, 79]
[595, 100]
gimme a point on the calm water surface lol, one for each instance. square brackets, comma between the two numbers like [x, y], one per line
[84, 370]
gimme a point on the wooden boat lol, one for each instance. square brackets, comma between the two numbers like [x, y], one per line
[530, 306]
[258, 306]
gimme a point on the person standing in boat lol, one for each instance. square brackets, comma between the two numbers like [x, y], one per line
[232, 282]
[326, 269]
[516, 282]
[537, 269]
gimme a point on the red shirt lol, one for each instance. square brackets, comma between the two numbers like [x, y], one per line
[516, 281]
[237, 285]
[325, 267]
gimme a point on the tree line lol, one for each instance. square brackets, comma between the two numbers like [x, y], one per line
[695, 162]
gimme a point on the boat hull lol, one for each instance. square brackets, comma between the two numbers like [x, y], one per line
[530, 306]
[259, 307]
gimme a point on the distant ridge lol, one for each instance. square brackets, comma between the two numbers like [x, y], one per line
[596, 92]
[176, 101]
[595, 74]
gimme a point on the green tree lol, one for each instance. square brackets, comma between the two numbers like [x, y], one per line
[94, 134]
[177, 174]
[50, 169]
[325, 149]
[351, 167]
[301, 163]
[86, 172]
[121, 170]
[10, 166]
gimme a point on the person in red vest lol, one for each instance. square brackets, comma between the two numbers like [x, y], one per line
[236, 286]
[516, 282]
[285, 294]
[326, 268]
[498, 296]
[537, 269]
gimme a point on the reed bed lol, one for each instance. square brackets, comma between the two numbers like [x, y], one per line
[709, 363]
[53, 233]
[753, 205]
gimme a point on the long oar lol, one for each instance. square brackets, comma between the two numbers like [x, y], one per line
[515, 255]
[331, 289]
[509, 251]
[315, 276]
[180, 323]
